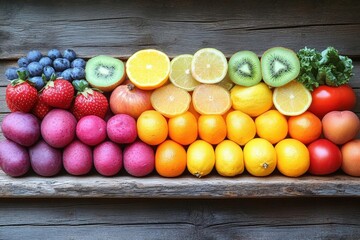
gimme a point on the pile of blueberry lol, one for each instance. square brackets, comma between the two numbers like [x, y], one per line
[40, 68]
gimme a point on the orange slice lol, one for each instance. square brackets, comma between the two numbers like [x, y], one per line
[170, 100]
[180, 72]
[209, 65]
[292, 99]
[211, 99]
[148, 69]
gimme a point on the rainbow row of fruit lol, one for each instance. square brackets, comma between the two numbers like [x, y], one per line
[287, 111]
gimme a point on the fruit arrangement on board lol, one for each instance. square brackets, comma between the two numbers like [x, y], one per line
[290, 111]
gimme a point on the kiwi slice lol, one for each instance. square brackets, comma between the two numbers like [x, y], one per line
[104, 72]
[244, 68]
[279, 66]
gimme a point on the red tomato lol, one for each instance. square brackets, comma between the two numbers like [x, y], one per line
[326, 99]
[325, 157]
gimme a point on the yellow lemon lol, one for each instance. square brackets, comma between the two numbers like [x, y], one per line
[293, 157]
[253, 100]
[272, 126]
[240, 127]
[229, 159]
[200, 158]
[259, 157]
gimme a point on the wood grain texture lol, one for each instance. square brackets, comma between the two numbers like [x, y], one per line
[180, 218]
[187, 186]
[123, 27]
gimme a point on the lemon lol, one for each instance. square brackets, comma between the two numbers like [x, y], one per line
[253, 100]
[229, 159]
[180, 72]
[272, 126]
[293, 157]
[240, 127]
[200, 158]
[259, 157]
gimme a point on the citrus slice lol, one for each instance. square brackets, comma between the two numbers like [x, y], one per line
[226, 83]
[170, 100]
[292, 99]
[180, 72]
[148, 69]
[211, 99]
[209, 65]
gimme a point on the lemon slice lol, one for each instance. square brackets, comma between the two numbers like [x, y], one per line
[292, 99]
[180, 72]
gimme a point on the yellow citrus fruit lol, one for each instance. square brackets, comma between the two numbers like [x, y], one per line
[170, 100]
[170, 159]
[226, 83]
[293, 157]
[209, 65]
[240, 127]
[148, 69]
[253, 100]
[212, 128]
[200, 158]
[292, 99]
[152, 127]
[259, 157]
[229, 160]
[211, 99]
[272, 126]
[183, 128]
[180, 72]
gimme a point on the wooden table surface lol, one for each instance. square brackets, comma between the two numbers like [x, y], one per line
[214, 207]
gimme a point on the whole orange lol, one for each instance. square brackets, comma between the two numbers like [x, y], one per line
[152, 127]
[170, 159]
[212, 128]
[272, 126]
[183, 128]
[305, 127]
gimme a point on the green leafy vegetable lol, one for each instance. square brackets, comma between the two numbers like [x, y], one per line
[325, 68]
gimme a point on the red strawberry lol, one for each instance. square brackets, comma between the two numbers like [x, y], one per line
[88, 101]
[58, 93]
[41, 109]
[20, 96]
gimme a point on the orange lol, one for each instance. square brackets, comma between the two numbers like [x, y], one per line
[152, 127]
[148, 69]
[212, 128]
[170, 100]
[271, 126]
[170, 159]
[209, 65]
[306, 127]
[292, 99]
[183, 128]
[240, 127]
[211, 99]
[293, 157]
[200, 158]
[193, 111]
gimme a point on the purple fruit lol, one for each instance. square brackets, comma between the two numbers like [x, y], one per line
[14, 158]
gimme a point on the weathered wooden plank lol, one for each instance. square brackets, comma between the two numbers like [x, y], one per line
[311, 218]
[121, 28]
[187, 186]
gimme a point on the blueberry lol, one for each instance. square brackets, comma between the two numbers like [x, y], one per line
[67, 74]
[58, 74]
[23, 69]
[78, 73]
[79, 62]
[45, 61]
[23, 62]
[11, 73]
[35, 69]
[38, 82]
[48, 72]
[69, 54]
[60, 64]
[54, 53]
[34, 56]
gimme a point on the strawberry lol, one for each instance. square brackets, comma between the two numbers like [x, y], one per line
[40, 109]
[58, 93]
[20, 95]
[88, 101]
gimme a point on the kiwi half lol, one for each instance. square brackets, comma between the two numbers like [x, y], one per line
[245, 69]
[279, 66]
[104, 72]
